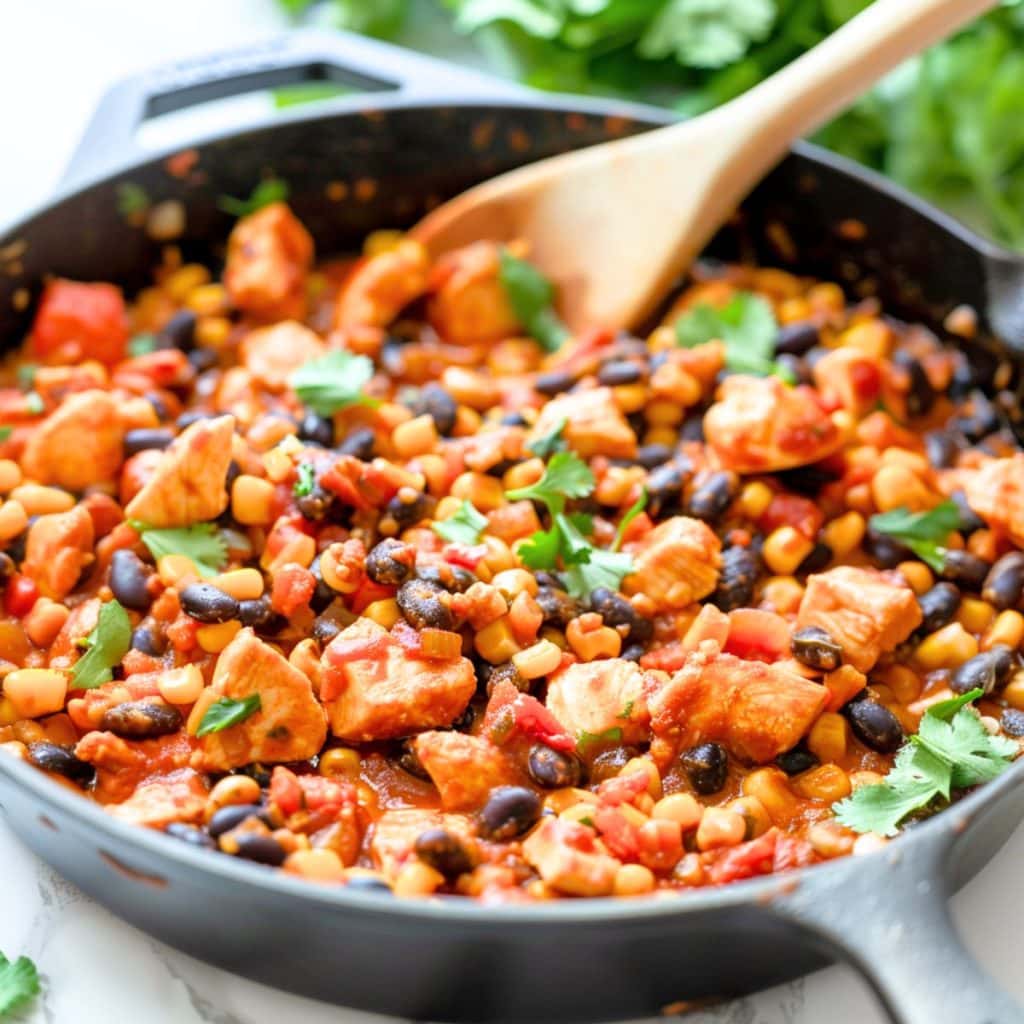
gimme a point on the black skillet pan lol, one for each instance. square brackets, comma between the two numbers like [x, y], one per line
[419, 132]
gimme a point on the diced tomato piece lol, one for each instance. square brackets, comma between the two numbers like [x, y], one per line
[367, 593]
[20, 596]
[320, 792]
[619, 834]
[623, 789]
[510, 713]
[791, 852]
[792, 510]
[77, 321]
[669, 658]
[757, 635]
[293, 587]
[285, 790]
[466, 555]
[182, 633]
[746, 860]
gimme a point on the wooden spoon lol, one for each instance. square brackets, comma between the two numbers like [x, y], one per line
[616, 225]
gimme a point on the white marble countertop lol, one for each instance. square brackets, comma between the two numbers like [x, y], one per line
[56, 57]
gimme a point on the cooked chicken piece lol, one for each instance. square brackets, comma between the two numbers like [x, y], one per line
[675, 564]
[124, 765]
[468, 304]
[157, 804]
[188, 483]
[852, 377]
[464, 768]
[78, 444]
[756, 710]
[269, 257]
[381, 286]
[867, 612]
[569, 858]
[273, 354]
[58, 548]
[375, 689]
[594, 424]
[759, 425]
[596, 696]
[290, 724]
[395, 832]
[996, 493]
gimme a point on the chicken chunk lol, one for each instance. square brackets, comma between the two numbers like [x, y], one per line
[188, 483]
[80, 444]
[464, 768]
[867, 612]
[594, 424]
[269, 257]
[58, 548]
[468, 305]
[375, 689]
[380, 287]
[122, 766]
[596, 696]
[676, 563]
[273, 354]
[996, 493]
[569, 858]
[395, 833]
[157, 804]
[290, 724]
[851, 377]
[759, 425]
[756, 710]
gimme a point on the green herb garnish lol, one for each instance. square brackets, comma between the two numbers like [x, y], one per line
[106, 645]
[531, 296]
[923, 532]
[306, 481]
[548, 444]
[268, 191]
[142, 345]
[745, 324]
[631, 513]
[132, 199]
[5, 432]
[333, 382]
[226, 712]
[565, 476]
[586, 739]
[19, 982]
[626, 711]
[464, 527]
[951, 750]
[201, 542]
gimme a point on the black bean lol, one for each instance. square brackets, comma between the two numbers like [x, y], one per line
[820, 556]
[425, 605]
[141, 719]
[692, 428]
[61, 761]
[981, 420]
[920, 396]
[260, 848]
[323, 595]
[409, 761]
[807, 480]
[408, 510]
[316, 505]
[707, 767]
[191, 835]
[885, 550]
[632, 652]
[207, 603]
[255, 612]
[938, 605]
[146, 640]
[202, 359]
[970, 521]
[390, 562]
[452, 578]
[186, 419]
[513, 419]
[180, 330]
[558, 607]
[797, 760]
[433, 401]
[652, 455]
[554, 382]
[1012, 722]
[986, 671]
[146, 438]
[325, 629]
[368, 883]
[712, 497]
[942, 448]
[444, 851]
[1004, 584]
[510, 811]
[553, 769]
[392, 356]
[128, 578]
[506, 672]
[815, 647]
[875, 725]
[617, 372]
[466, 721]
[360, 443]
[227, 818]
[797, 338]
[665, 485]
[316, 428]
[617, 610]
[7, 566]
[736, 578]
[965, 570]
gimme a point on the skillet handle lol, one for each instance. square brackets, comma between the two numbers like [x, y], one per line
[887, 915]
[391, 73]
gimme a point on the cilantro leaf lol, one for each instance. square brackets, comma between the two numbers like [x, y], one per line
[225, 712]
[19, 982]
[922, 532]
[107, 644]
[565, 476]
[5, 432]
[464, 527]
[333, 382]
[586, 739]
[540, 550]
[306, 481]
[747, 327]
[602, 569]
[132, 199]
[142, 344]
[531, 294]
[631, 513]
[547, 444]
[201, 542]
[268, 191]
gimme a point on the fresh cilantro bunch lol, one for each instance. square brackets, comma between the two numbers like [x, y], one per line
[951, 751]
[923, 532]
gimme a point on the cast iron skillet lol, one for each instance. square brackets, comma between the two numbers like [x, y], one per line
[425, 132]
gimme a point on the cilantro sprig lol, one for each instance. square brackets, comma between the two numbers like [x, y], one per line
[106, 645]
[923, 532]
[227, 711]
[748, 328]
[585, 740]
[19, 982]
[202, 542]
[333, 382]
[306, 481]
[531, 296]
[565, 476]
[952, 750]
[268, 191]
[548, 444]
[464, 527]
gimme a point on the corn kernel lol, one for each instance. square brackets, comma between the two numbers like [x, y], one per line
[771, 787]
[948, 647]
[252, 500]
[975, 615]
[38, 500]
[828, 782]
[904, 682]
[340, 762]
[176, 570]
[917, 574]
[1007, 629]
[664, 413]
[8, 712]
[231, 791]
[754, 813]
[13, 520]
[633, 880]
[44, 621]
[539, 660]
[36, 691]
[829, 737]
[213, 331]
[720, 827]
[208, 300]
[385, 613]
[485, 492]
[241, 584]
[523, 474]
[784, 549]
[415, 437]
[646, 765]
[844, 533]
[754, 499]
[277, 465]
[682, 808]
[513, 582]
[181, 685]
[184, 279]
[213, 639]
[417, 879]
[10, 475]
[1013, 692]
[495, 643]
[661, 435]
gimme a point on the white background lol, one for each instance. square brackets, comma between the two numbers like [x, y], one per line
[56, 58]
